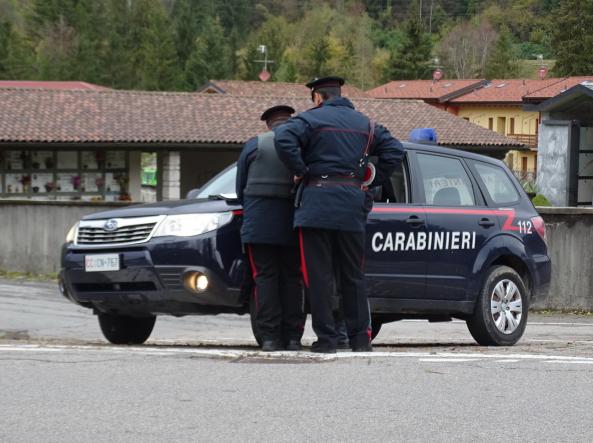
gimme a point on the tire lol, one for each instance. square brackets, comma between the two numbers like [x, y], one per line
[375, 327]
[126, 330]
[252, 314]
[500, 315]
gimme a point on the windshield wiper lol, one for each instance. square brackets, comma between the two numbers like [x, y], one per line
[232, 199]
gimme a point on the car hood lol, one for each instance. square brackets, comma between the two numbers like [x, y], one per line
[166, 208]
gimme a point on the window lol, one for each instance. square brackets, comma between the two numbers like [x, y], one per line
[512, 123]
[497, 183]
[445, 181]
[396, 189]
[64, 175]
[524, 164]
[491, 123]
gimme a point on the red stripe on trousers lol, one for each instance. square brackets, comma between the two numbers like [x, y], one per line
[253, 274]
[303, 262]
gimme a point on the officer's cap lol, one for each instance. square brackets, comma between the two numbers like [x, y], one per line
[325, 82]
[280, 109]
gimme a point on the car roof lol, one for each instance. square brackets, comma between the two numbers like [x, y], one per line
[449, 151]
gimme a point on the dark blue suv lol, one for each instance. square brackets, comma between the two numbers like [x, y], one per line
[451, 235]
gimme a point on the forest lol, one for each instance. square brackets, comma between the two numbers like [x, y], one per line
[178, 45]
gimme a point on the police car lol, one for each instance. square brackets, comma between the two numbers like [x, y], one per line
[451, 235]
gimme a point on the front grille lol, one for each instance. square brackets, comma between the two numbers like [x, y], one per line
[127, 234]
[127, 231]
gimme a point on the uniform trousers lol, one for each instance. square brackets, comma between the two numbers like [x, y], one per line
[327, 254]
[278, 291]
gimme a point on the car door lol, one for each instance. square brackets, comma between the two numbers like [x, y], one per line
[458, 224]
[394, 267]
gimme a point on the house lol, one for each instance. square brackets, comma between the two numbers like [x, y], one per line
[269, 89]
[51, 85]
[87, 144]
[436, 93]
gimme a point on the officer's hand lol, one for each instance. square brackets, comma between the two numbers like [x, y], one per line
[296, 179]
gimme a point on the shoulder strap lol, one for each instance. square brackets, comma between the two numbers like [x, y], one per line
[371, 136]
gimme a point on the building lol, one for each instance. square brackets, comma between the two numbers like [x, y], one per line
[269, 89]
[86, 144]
[436, 93]
[565, 163]
[496, 105]
[51, 85]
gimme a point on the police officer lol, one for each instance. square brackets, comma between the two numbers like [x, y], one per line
[326, 149]
[264, 187]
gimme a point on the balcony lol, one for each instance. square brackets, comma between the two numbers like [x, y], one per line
[527, 139]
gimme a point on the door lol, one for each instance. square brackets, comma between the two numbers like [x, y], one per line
[458, 225]
[395, 264]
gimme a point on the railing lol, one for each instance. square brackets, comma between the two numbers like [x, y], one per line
[527, 139]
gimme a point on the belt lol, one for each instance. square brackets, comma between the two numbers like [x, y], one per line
[322, 181]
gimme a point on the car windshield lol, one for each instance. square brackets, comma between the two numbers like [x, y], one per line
[223, 184]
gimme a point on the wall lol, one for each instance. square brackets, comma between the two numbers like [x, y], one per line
[570, 243]
[32, 232]
[525, 124]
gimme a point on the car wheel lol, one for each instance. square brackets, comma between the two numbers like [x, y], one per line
[375, 327]
[126, 330]
[500, 315]
[252, 314]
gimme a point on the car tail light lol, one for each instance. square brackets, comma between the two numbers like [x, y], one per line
[539, 226]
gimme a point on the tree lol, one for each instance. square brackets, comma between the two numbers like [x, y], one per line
[502, 62]
[16, 56]
[155, 60]
[412, 59]
[209, 57]
[56, 52]
[465, 49]
[572, 38]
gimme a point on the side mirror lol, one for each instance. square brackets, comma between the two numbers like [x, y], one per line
[192, 193]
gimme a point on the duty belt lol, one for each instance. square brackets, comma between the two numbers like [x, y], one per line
[322, 181]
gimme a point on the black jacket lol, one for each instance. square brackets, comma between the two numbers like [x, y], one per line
[330, 140]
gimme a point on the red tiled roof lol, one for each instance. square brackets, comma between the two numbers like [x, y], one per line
[561, 85]
[270, 89]
[50, 85]
[63, 116]
[505, 91]
[424, 89]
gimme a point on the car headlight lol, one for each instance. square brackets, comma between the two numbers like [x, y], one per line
[71, 236]
[188, 225]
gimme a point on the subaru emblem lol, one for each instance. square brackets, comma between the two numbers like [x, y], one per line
[110, 225]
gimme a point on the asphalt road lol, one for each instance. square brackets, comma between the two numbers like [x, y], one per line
[201, 379]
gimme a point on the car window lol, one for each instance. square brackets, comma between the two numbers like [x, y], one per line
[222, 184]
[497, 183]
[445, 181]
[396, 189]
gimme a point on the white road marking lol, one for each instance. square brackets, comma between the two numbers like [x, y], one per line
[297, 356]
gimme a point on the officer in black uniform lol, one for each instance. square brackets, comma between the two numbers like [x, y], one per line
[264, 187]
[326, 149]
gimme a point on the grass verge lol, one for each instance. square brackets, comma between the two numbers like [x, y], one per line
[28, 276]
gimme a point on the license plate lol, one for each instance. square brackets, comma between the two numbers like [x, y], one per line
[101, 263]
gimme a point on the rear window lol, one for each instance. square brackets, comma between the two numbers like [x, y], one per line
[498, 184]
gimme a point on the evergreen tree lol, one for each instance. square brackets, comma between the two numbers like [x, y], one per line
[155, 59]
[92, 48]
[16, 56]
[413, 58]
[209, 58]
[502, 62]
[188, 19]
[572, 38]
